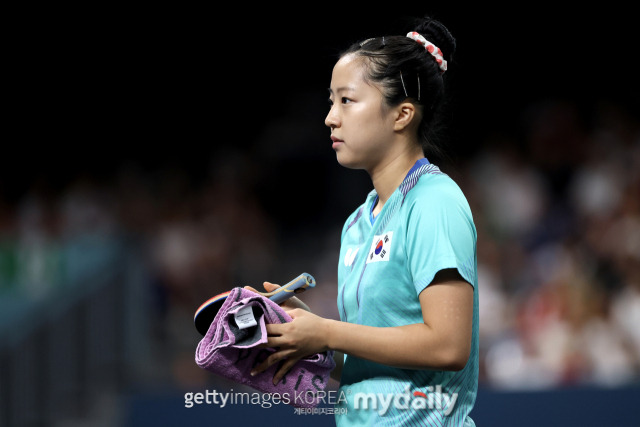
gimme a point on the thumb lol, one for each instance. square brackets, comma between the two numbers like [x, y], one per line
[270, 286]
[249, 288]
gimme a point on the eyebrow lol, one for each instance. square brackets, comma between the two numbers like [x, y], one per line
[343, 89]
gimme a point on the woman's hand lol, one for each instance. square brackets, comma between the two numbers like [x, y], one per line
[305, 335]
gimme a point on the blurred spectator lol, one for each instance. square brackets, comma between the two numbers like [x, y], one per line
[573, 294]
[557, 211]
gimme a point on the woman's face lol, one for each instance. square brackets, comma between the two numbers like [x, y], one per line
[361, 126]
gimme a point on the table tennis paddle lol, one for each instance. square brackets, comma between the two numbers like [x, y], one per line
[208, 310]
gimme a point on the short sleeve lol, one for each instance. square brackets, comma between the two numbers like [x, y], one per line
[440, 234]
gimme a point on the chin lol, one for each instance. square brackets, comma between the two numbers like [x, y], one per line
[348, 165]
[348, 162]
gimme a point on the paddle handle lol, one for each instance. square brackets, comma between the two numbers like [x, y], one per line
[296, 286]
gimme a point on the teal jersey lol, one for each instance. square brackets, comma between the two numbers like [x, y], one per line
[425, 226]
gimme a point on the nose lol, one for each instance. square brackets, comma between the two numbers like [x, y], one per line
[332, 120]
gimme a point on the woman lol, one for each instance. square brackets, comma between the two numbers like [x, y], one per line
[406, 344]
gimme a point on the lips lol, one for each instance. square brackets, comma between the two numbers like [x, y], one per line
[336, 142]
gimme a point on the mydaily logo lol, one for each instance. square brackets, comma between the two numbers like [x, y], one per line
[434, 398]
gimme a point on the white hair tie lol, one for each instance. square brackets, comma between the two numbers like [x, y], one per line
[431, 48]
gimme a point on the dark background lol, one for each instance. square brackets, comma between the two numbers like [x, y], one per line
[170, 87]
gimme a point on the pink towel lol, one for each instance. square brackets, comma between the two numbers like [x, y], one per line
[229, 349]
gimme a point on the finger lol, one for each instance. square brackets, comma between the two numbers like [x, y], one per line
[275, 329]
[270, 286]
[276, 342]
[286, 367]
[266, 363]
[249, 288]
[293, 311]
[288, 307]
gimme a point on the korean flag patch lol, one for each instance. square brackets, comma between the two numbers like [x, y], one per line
[380, 248]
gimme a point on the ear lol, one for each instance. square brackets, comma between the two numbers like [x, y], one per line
[405, 113]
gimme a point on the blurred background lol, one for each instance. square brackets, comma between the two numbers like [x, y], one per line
[154, 157]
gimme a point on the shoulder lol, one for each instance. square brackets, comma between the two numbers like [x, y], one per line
[437, 192]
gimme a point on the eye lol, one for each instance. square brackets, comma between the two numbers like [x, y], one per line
[346, 100]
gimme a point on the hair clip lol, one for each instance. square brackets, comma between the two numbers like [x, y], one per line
[366, 41]
[403, 86]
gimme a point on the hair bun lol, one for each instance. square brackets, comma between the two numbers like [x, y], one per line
[438, 34]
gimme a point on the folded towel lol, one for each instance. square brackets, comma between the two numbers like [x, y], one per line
[229, 349]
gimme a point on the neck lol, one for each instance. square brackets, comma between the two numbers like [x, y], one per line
[389, 174]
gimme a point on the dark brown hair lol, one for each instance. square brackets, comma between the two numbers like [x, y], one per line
[404, 69]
